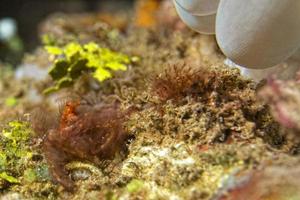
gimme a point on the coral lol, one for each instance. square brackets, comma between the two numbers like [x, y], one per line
[92, 133]
[74, 59]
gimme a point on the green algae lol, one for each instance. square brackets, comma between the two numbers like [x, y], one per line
[11, 101]
[6, 177]
[74, 59]
[14, 150]
[22, 167]
[135, 185]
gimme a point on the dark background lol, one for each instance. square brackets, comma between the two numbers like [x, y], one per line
[29, 13]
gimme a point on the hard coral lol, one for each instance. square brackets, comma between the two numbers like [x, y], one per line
[85, 132]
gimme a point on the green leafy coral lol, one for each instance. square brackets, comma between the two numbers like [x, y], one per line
[74, 59]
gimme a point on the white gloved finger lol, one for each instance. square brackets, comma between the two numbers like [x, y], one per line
[201, 24]
[258, 33]
[199, 7]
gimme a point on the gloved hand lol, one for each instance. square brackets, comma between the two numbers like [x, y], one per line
[252, 33]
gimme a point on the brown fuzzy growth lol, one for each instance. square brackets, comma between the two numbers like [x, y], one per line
[206, 84]
[85, 132]
[228, 101]
[178, 81]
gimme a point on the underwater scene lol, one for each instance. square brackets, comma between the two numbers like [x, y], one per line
[149, 100]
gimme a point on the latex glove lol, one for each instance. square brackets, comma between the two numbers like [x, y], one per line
[255, 34]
